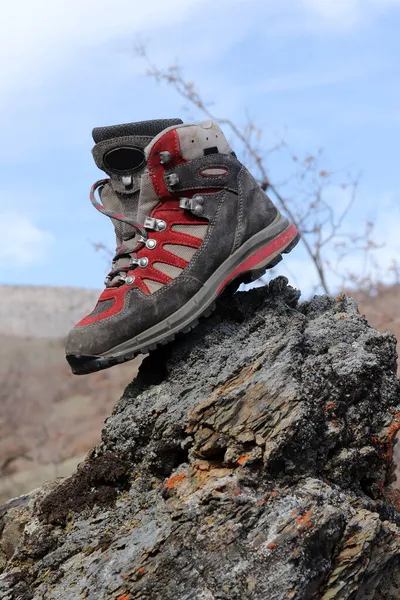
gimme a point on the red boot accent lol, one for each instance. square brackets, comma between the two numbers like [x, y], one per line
[168, 142]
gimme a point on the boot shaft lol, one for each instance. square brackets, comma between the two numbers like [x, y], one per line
[119, 152]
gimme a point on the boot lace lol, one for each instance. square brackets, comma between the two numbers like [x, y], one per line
[117, 275]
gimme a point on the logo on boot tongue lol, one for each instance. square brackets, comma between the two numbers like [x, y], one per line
[125, 159]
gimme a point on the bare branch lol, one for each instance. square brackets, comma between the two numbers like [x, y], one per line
[315, 216]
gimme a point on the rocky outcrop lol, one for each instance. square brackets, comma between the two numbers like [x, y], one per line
[250, 459]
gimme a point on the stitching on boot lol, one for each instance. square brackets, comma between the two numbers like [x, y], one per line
[240, 224]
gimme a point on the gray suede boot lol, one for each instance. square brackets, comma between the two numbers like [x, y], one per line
[202, 223]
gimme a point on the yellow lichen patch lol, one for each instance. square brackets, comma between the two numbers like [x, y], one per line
[203, 465]
[175, 481]
[207, 408]
[242, 376]
[348, 553]
[199, 476]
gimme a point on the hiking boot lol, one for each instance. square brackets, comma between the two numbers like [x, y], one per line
[202, 223]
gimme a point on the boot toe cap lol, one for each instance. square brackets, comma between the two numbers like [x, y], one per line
[81, 341]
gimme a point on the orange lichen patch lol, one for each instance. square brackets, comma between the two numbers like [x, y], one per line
[329, 406]
[394, 497]
[341, 317]
[339, 298]
[305, 519]
[350, 540]
[237, 491]
[394, 428]
[274, 493]
[106, 558]
[242, 459]
[272, 545]
[141, 571]
[175, 481]
[123, 575]
[386, 442]
[261, 502]
[124, 597]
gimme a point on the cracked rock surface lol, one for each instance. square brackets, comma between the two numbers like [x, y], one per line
[250, 459]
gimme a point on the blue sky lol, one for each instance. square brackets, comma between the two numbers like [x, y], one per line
[325, 73]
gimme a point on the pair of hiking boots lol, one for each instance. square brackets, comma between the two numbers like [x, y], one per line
[189, 220]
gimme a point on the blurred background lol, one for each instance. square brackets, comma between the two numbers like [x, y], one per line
[308, 93]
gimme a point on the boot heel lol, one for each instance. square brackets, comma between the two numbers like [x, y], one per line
[266, 257]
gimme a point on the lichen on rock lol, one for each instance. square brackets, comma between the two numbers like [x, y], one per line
[250, 459]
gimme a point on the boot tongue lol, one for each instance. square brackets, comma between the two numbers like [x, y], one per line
[119, 152]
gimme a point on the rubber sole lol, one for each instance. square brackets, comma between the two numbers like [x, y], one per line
[261, 252]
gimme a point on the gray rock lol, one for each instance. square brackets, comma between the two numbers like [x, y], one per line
[250, 459]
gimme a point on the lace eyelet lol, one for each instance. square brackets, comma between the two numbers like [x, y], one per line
[161, 225]
[165, 157]
[143, 262]
[151, 244]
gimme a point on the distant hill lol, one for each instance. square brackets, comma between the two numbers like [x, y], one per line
[41, 311]
[49, 418]
[382, 308]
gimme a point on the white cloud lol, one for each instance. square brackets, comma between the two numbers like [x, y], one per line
[42, 35]
[22, 242]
